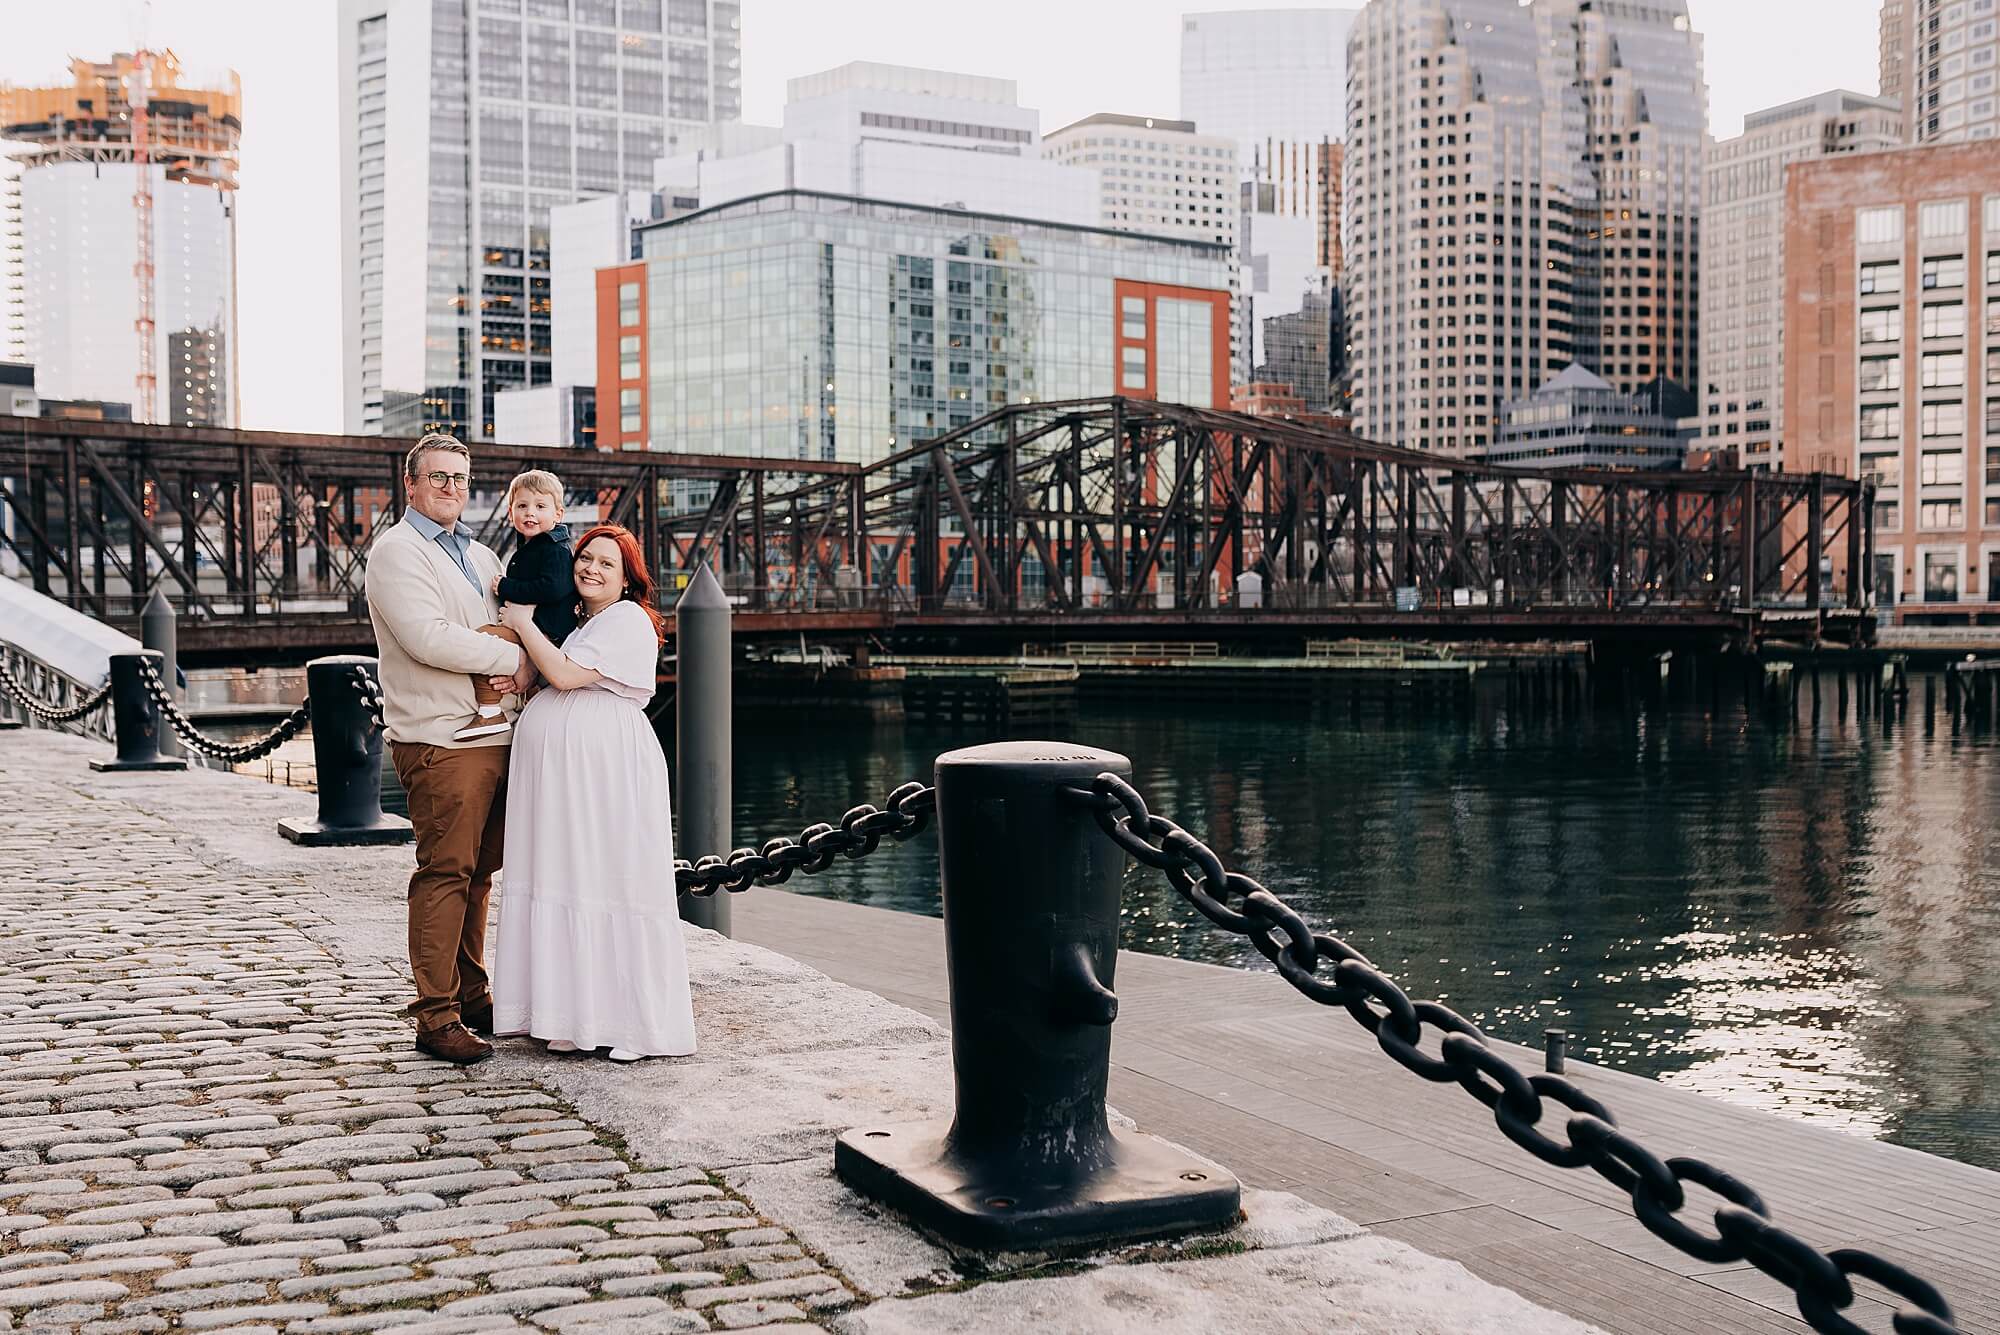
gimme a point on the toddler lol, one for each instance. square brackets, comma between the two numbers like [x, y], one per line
[539, 573]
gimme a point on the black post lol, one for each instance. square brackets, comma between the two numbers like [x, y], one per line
[347, 760]
[157, 631]
[136, 718]
[703, 779]
[1031, 891]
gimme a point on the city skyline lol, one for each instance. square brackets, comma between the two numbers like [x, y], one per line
[290, 198]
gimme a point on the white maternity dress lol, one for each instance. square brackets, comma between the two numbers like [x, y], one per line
[590, 947]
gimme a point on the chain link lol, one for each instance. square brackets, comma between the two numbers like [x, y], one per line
[48, 713]
[856, 836]
[1591, 1138]
[232, 753]
[370, 692]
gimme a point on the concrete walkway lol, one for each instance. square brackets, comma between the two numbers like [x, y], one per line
[211, 1118]
[1237, 1066]
[207, 1120]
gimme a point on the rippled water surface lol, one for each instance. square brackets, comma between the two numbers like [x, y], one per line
[1793, 913]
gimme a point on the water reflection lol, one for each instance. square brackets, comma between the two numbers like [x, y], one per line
[1760, 897]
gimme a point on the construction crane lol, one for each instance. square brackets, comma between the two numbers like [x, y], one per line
[139, 101]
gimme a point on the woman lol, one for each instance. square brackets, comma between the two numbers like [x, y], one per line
[590, 952]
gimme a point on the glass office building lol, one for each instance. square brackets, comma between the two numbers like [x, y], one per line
[826, 327]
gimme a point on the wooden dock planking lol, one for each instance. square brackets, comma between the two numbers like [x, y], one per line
[1292, 1097]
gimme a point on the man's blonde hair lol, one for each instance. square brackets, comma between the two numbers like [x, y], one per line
[536, 479]
[435, 440]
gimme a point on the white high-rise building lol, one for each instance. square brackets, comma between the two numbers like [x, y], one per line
[1522, 188]
[1156, 176]
[1274, 80]
[13, 282]
[463, 125]
[897, 134]
[1743, 258]
[102, 317]
[1944, 58]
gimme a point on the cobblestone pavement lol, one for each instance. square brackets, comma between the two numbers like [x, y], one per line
[208, 1122]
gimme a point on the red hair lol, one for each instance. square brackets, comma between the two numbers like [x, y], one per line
[638, 581]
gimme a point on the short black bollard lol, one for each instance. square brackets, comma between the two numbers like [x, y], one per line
[1031, 892]
[347, 757]
[1555, 1046]
[135, 719]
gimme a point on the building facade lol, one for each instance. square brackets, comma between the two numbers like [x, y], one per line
[1160, 177]
[1941, 58]
[1743, 258]
[1465, 183]
[1298, 351]
[1639, 66]
[892, 132]
[813, 326]
[1577, 420]
[463, 126]
[13, 282]
[120, 301]
[1892, 49]
[17, 392]
[1273, 80]
[560, 415]
[1892, 331]
[1522, 191]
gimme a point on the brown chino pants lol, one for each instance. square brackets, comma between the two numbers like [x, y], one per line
[458, 807]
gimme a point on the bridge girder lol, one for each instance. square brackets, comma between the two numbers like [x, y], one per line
[1085, 512]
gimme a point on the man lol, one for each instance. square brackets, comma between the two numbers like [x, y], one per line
[428, 589]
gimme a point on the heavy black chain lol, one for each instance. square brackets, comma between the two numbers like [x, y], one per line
[48, 713]
[856, 836]
[232, 753]
[1743, 1228]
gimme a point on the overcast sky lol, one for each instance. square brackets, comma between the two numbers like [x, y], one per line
[1070, 58]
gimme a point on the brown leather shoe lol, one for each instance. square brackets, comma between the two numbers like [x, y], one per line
[452, 1043]
[478, 1017]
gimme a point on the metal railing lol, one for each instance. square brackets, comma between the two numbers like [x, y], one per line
[48, 697]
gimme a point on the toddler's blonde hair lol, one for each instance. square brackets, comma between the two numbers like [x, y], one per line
[536, 479]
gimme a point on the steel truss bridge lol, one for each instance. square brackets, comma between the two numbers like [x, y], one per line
[1121, 518]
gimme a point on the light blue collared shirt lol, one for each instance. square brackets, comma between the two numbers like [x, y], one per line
[456, 543]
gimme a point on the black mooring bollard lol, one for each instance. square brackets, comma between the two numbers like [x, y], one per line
[135, 719]
[1031, 892]
[347, 758]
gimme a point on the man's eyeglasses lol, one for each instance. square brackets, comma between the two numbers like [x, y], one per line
[441, 480]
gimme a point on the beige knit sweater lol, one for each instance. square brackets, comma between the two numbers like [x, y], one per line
[426, 615]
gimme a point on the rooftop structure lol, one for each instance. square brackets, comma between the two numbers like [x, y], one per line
[1579, 420]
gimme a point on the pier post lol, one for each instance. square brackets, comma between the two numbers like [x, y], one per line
[1031, 890]
[157, 631]
[702, 723]
[347, 760]
[135, 718]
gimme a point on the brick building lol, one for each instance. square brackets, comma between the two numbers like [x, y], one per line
[1892, 344]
